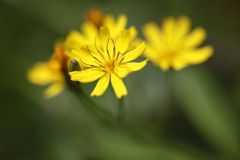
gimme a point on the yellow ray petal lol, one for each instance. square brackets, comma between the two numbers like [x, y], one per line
[89, 30]
[74, 54]
[198, 55]
[164, 64]
[182, 26]
[168, 26]
[124, 69]
[195, 38]
[104, 35]
[74, 40]
[53, 90]
[92, 52]
[179, 64]
[40, 74]
[118, 86]
[151, 52]
[105, 38]
[134, 53]
[133, 32]
[120, 24]
[153, 34]
[123, 41]
[87, 75]
[83, 58]
[108, 21]
[101, 86]
[121, 21]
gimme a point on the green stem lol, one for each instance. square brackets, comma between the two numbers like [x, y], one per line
[162, 115]
[96, 106]
[88, 102]
[170, 88]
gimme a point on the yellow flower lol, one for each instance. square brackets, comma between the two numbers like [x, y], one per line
[173, 45]
[90, 29]
[108, 63]
[50, 72]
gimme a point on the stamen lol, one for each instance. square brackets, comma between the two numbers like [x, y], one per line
[95, 43]
[114, 48]
[117, 55]
[121, 60]
[102, 66]
[88, 64]
[107, 49]
[93, 56]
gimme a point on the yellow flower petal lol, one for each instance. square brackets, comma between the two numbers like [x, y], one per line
[152, 53]
[107, 43]
[134, 53]
[123, 41]
[74, 40]
[90, 31]
[124, 69]
[179, 64]
[195, 38]
[118, 86]
[83, 58]
[200, 55]
[87, 75]
[101, 86]
[74, 54]
[53, 90]
[108, 21]
[164, 64]
[40, 74]
[153, 34]
[87, 56]
[168, 26]
[119, 25]
[105, 36]
[121, 22]
[182, 26]
[133, 32]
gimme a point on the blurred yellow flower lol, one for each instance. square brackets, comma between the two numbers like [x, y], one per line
[173, 45]
[108, 62]
[90, 29]
[50, 72]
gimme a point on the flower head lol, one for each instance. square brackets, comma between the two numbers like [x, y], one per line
[173, 45]
[50, 72]
[109, 62]
[90, 29]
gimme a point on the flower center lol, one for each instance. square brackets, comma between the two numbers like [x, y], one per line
[109, 67]
[170, 55]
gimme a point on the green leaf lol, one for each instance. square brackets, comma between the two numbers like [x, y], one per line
[209, 109]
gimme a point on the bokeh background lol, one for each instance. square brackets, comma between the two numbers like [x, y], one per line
[185, 115]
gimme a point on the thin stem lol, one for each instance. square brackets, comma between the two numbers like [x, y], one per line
[162, 114]
[88, 102]
[170, 88]
[96, 106]
[171, 80]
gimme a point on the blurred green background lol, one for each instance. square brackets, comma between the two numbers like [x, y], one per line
[185, 115]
